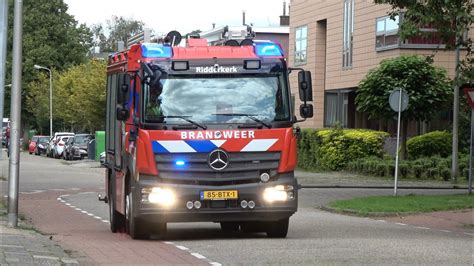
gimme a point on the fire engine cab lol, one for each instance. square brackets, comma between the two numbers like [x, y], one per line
[202, 133]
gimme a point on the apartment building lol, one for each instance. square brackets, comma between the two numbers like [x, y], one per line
[339, 41]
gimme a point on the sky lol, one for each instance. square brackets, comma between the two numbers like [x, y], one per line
[182, 15]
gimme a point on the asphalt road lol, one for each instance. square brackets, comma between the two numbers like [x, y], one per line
[315, 236]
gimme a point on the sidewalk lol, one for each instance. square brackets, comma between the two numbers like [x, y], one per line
[26, 247]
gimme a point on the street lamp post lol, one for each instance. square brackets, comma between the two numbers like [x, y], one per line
[50, 98]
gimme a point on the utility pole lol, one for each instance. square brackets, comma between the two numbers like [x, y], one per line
[3, 57]
[13, 179]
[455, 164]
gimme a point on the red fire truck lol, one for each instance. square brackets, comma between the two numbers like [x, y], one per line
[202, 133]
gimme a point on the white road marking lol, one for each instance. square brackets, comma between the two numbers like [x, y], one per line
[182, 248]
[469, 234]
[422, 227]
[400, 223]
[199, 256]
[45, 257]
[446, 231]
[90, 214]
[105, 221]
[215, 264]
[67, 204]
[169, 243]
[78, 209]
[98, 218]
[381, 221]
[84, 212]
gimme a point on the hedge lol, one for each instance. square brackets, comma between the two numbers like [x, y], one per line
[430, 144]
[331, 149]
[425, 168]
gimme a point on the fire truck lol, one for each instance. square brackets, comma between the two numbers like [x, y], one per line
[202, 133]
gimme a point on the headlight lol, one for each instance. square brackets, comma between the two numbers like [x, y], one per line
[278, 193]
[162, 196]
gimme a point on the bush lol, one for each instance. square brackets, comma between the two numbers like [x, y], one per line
[430, 144]
[332, 149]
[424, 168]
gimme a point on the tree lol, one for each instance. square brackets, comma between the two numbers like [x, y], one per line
[452, 19]
[82, 92]
[51, 38]
[427, 86]
[119, 29]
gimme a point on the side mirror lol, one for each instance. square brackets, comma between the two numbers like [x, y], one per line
[121, 114]
[306, 110]
[122, 94]
[305, 86]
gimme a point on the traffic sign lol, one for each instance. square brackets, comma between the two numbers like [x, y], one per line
[394, 100]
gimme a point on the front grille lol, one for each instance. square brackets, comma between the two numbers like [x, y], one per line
[243, 168]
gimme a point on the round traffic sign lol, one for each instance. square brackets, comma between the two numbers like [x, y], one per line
[394, 100]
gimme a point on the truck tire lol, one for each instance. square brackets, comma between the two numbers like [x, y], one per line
[117, 220]
[229, 227]
[278, 229]
[136, 228]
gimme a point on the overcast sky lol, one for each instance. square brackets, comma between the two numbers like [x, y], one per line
[181, 15]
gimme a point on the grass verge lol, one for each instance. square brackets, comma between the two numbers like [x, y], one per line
[403, 204]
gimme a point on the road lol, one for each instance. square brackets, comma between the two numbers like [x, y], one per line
[60, 200]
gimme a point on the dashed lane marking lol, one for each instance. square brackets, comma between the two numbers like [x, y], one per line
[422, 227]
[446, 231]
[400, 223]
[182, 247]
[199, 256]
[469, 234]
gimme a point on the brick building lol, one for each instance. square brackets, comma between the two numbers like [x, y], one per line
[339, 42]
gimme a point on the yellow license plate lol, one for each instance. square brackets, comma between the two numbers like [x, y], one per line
[219, 195]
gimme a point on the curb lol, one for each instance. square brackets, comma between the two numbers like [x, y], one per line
[381, 187]
[370, 214]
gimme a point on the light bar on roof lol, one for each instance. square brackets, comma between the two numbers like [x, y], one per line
[155, 50]
[268, 49]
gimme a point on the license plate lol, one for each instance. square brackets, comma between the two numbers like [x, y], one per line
[219, 195]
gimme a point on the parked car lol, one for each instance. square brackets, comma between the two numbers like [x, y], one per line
[42, 145]
[102, 158]
[79, 146]
[32, 144]
[67, 149]
[54, 140]
[59, 147]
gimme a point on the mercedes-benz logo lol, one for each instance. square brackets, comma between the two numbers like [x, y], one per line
[218, 160]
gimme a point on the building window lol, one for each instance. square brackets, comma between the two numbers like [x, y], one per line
[301, 44]
[337, 108]
[387, 32]
[348, 30]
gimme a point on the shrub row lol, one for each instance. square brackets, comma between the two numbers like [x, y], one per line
[331, 149]
[425, 168]
[430, 144]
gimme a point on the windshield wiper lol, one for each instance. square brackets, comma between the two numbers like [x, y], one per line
[185, 119]
[249, 116]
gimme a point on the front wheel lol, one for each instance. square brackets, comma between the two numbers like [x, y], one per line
[278, 229]
[136, 228]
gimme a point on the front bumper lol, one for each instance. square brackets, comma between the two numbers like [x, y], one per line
[218, 211]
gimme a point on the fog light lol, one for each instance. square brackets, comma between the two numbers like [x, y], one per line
[278, 193]
[189, 205]
[251, 204]
[264, 177]
[243, 204]
[197, 204]
[162, 196]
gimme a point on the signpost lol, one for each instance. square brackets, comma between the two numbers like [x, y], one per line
[398, 102]
[469, 91]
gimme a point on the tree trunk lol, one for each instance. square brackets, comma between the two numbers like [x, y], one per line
[404, 133]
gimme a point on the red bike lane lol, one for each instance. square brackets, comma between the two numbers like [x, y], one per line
[90, 241]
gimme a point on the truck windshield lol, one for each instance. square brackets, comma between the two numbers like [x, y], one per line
[215, 98]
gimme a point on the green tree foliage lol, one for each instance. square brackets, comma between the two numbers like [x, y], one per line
[78, 99]
[51, 38]
[81, 93]
[117, 29]
[427, 86]
[452, 19]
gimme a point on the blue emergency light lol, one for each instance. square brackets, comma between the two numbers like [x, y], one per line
[180, 163]
[155, 50]
[268, 49]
